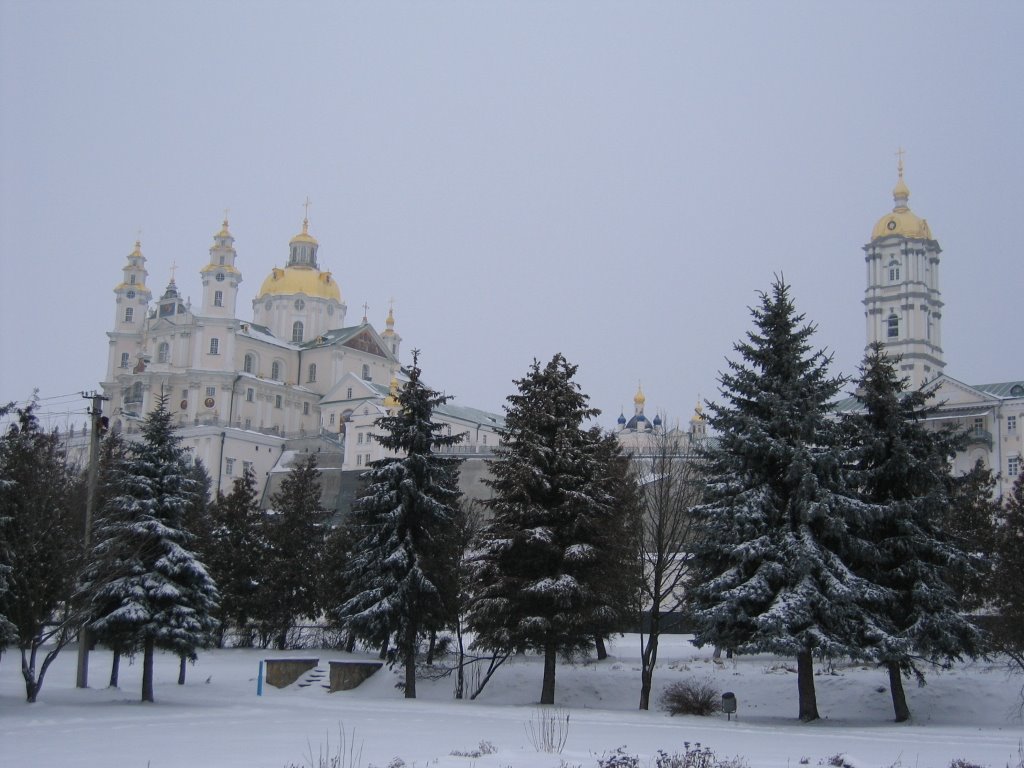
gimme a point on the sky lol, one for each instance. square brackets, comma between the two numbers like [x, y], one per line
[612, 181]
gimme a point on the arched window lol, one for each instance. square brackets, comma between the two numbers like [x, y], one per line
[129, 314]
[214, 346]
[297, 332]
[124, 359]
[131, 279]
[366, 372]
[163, 352]
[893, 327]
[275, 371]
[218, 298]
[312, 372]
[894, 271]
[249, 364]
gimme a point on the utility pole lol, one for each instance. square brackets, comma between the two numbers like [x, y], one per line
[99, 427]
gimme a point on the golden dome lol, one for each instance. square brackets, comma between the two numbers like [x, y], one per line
[223, 230]
[698, 411]
[391, 401]
[390, 323]
[902, 222]
[305, 280]
[303, 236]
[639, 398]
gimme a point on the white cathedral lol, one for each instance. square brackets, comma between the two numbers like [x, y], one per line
[253, 393]
[297, 379]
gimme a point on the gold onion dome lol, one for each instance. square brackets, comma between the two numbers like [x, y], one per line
[223, 230]
[698, 411]
[902, 222]
[391, 401]
[304, 236]
[390, 323]
[305, 280]
[639, 398]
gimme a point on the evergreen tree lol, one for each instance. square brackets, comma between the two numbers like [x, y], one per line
[294, 532]
[1009, 576]
[777, 509]
[970, 521]
[237, 555]
[540, 565]
[150, 586]
[903, 469]
[40, 545]
[402, 524]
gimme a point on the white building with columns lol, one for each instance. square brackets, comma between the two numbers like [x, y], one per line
[255, 392]
[903, 309]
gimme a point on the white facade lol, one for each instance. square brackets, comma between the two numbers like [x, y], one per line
[903, 309]
[244, 392]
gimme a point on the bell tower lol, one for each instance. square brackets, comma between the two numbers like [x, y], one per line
[221, 277]
[902, 301]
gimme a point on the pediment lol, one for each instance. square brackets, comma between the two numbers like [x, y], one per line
[366, 341]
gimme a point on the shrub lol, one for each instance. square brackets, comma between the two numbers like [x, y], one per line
[691, 697]
[548, 730]
[696, 756]
[618, 759]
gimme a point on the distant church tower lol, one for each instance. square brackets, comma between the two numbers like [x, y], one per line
[221, 277]
[902, 302]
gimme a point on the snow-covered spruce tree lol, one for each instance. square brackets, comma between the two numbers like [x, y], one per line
[970, 521]
[401, 525]
[1009, 577]
[40, 545]
[538, 570]
[294, 530]
[902, 468]
[777, 511]
[237, 556]
[148, 584]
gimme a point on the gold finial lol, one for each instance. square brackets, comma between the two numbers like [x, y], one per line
[639, 399]
[366, 310]
[305, 218]
[899, 163]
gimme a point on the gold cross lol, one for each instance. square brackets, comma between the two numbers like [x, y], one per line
[226, 212]
[174, 267]
[366, 309]
[306, 206]
[899, 166]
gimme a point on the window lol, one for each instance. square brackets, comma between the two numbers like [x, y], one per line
[211, 391]
[218, 298]
[332, 418]
[894, 271]
[348, 393]
[130, 294]
[248, 423]
[249, 363]
[214, 346]
[305, 409]
[359, 439]
[277, 401]
[131, 280]
[485, 439]
[275, 371]
[163, 352]
[250, 395]
[124, 359]
[1011, 423]
[359, 460]
[229, 467]
[129, 314]
[220, 277]
[297, 332]
[247, 466]
[312, 372]
[366, 373]
[184, 394]
[893, 327]
[222, 260]
[1013, 466]
[300, 304]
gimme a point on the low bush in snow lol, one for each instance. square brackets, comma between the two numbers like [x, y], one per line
[691, 697]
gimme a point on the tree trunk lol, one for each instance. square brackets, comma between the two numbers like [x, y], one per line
[648, 658]
[547, 691]
[410, 662]
[383, 650]
[28, 671]
[350, 642]
[432, 643]
[181, 670]
[899, 697]
[602, 652]
[115, 668]
[460, 676]
[147, 669]
[805, 683]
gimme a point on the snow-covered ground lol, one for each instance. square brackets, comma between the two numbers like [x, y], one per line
[216, 719]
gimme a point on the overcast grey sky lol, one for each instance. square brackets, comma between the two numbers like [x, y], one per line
[611, 180]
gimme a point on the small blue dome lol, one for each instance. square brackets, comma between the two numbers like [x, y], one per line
[622, 418]
[657, 421]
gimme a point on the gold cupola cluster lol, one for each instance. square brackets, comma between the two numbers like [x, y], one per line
[301, 273]
[902, 222]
